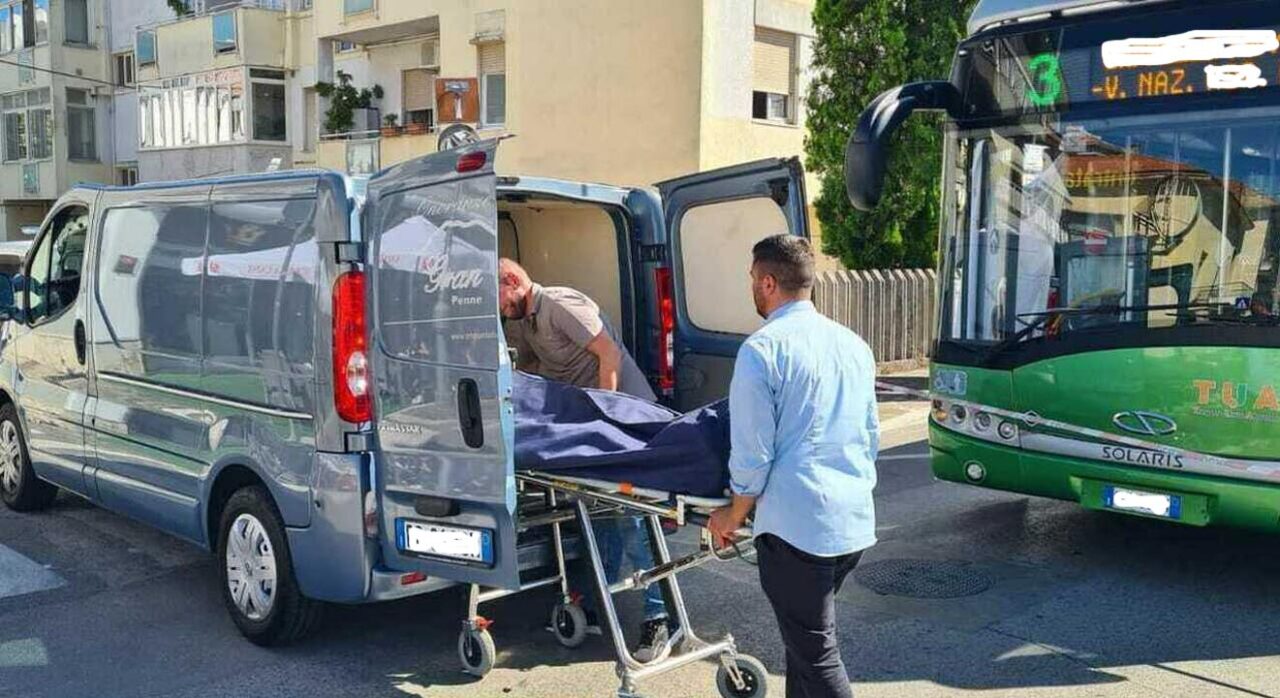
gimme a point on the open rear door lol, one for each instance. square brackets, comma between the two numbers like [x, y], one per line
[713, 219]
[444, 472]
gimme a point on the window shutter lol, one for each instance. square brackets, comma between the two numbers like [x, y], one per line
[419, 89]
[774, 57]
[493, 58]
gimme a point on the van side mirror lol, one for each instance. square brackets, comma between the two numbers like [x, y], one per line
[8, 299]
[866, 156]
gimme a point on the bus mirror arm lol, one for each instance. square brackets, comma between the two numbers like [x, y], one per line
[866, 156]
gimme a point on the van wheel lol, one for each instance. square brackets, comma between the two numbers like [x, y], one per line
[258, 584]
[20, 489]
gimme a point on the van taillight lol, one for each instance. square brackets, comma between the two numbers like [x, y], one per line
[352, 379]
[666, 330]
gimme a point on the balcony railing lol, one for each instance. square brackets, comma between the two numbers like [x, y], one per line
[204, 7]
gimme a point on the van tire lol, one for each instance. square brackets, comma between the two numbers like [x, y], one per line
[291, 616]
[20, 489]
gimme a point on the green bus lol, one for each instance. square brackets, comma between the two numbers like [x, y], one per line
[1109, 253]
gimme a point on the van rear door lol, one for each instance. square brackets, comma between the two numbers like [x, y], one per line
[713, 219]
[444, 469]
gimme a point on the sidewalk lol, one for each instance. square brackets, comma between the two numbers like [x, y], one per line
[902, 411]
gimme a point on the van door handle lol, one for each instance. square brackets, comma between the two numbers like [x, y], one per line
[470, 418]
[80, 341]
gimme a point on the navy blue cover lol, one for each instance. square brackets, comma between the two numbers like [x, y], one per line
[616, 437]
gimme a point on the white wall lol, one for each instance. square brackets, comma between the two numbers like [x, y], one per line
[127, 15]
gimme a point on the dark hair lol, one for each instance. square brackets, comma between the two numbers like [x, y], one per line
[787, 258]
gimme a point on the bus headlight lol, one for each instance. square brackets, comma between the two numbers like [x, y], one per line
[975, 471]
[1008, 430]
[959, 414]
[940, 412]
[982, 421]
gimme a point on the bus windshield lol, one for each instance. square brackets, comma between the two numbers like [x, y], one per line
[1104, 184]
[1150, 222]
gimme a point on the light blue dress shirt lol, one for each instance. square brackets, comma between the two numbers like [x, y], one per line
[805, 432]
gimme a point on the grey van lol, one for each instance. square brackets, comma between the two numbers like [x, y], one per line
[306, 375]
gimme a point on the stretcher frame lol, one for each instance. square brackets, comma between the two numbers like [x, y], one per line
[553, 500]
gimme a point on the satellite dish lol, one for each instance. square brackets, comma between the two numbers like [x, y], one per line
[456, 135]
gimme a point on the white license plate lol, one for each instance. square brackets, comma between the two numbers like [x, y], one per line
[471, 544]
[1167, 506]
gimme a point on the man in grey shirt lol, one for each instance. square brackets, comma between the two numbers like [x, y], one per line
[559, 333]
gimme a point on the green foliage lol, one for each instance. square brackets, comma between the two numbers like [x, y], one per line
[344, 99]
[863, 48]
[179, 7]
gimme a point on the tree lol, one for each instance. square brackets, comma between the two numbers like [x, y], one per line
[179, 7]
[344, 100]
[863, 48]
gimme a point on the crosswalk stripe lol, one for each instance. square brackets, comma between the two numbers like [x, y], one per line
[20, 575]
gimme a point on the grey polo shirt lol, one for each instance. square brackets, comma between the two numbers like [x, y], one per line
[551, 341]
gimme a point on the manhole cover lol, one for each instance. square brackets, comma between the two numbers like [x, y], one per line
[922, 579]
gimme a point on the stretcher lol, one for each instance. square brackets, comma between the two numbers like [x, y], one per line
[567, 507]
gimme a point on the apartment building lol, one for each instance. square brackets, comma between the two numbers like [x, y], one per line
[212, 89]
[596, 90]
[54, 89]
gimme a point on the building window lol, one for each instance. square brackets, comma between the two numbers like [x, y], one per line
[15, 136]
[352, 7]
[124, 69]
[145, 47]
[76, 21]
[28, 125]
[202, 109]
[82, 138]
[18, 23]
[493, 83]
[127, 176]
[37, 22]
[345, 46]
[269, 122]
[773, 71]
[418, 89]
[224, 32]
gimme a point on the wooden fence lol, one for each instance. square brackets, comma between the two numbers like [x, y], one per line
[892, 310]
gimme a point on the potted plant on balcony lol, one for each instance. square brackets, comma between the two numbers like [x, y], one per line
[350, 109]
[389, 127]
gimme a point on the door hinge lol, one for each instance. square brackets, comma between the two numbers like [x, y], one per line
[348, 252]
[653, 253]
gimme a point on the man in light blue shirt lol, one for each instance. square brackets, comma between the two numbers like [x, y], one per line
[804, 434]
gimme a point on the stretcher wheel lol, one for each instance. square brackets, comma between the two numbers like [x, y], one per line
[477, 651]
[569, 623]
[754, 679]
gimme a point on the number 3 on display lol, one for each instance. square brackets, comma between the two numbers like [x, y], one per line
[1046, 80]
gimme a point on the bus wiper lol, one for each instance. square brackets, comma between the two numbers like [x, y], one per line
[1042, 317]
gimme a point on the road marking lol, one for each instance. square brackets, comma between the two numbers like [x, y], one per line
[19, 575]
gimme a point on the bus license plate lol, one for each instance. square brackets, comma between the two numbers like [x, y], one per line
[470, 544]
[1165, 506]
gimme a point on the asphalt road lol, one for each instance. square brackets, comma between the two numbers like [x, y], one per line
[1077, 604]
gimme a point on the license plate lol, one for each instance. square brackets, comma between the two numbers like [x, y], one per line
[1165, 506]
[454, 542]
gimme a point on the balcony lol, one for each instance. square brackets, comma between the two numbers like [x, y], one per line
[366, 152]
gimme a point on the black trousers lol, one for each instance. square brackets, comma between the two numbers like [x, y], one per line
[802, 590]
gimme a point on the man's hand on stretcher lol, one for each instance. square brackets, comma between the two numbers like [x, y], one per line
[726, 521]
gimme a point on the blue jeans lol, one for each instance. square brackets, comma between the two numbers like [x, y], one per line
[618, 537]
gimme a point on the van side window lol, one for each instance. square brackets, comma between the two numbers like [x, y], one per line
[259, 293]
[715, 256]
[53, 280]
[149, 275]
